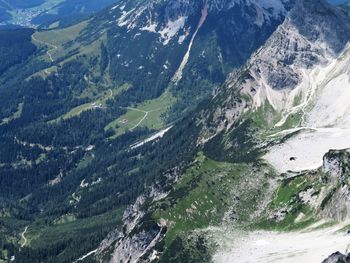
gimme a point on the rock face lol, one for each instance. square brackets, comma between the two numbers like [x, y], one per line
[336, 165]
[337, 258]
[313, 34]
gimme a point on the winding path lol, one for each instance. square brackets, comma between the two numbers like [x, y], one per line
[23, 236]
[52, 47]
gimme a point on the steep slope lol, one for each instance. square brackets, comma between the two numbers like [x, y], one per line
[86, 179]
[261, 110]
[282, 78]
[313, 204]
[180, 49]
[291, 99]
[72, 111]
[15, 47]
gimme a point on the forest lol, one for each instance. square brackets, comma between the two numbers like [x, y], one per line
[44, 158]
[15, 47]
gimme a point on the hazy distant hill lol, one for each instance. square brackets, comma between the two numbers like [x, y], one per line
[35, 13]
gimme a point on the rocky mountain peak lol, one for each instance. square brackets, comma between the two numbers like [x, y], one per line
[313, 33]
[155, 14]
[321, 22]
[310, 34]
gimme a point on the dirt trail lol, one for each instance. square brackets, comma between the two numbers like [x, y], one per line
[52, 47]
[143, 118]
[23, 237]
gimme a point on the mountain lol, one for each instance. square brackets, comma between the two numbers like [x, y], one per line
[278, 78]
[191, 41]
[179, 131]
[265, 161]
[76, 114]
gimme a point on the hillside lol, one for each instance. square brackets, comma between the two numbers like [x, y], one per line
[71, 111]
[266, 137]
[179, 131]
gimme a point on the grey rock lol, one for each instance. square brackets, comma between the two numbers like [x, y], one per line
[337, 257]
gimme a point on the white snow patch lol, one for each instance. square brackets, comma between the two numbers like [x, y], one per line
[178, 74]
[150, 28]
[307, 148]
[122, 21]
[84, 184]
[171, 29]
[333, 104]
[130, 18]
[90, 148]
[325, 123]
[267, 247]
[86, 255]
[154, 137]
[181, 39]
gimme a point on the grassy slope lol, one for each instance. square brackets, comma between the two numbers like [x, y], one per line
[40, 234]
[61, 46]
[135, 116]
[59, 38]
[14, 116]
[63, 40]
[209, 193]
[98, 101]
[208, 189]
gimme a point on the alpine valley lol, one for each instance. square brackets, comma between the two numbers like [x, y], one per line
[175, 131]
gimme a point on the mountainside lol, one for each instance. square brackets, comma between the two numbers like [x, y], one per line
[287, 106]
[179, 131]
[76, 115]
[281, 79]
[185, 46]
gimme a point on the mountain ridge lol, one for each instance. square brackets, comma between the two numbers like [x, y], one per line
[87, 178]
[312, 50]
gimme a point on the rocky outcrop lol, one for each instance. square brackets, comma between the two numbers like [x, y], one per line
[336, 196]
[337, 257]
[136, 240]
[311, 33]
